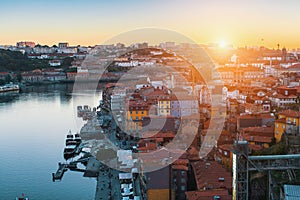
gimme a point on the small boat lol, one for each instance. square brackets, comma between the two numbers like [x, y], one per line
[77, 138]
[9, 87]
[69, 151]
[86, 108]
[79, 111]
[73, 146]
[22, 198]
[70, 139]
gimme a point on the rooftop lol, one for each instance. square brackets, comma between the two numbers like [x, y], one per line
[208, 195]
[290, 113]
[209, 174]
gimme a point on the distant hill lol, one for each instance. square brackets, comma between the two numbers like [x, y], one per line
[15, 61]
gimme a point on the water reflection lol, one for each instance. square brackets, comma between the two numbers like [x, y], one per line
[34, 123]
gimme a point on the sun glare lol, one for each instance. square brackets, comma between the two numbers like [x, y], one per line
[222, 44]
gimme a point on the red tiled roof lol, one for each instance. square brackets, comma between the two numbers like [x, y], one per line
[156, 93]
[208, 195]
[249, 116]
[296, 66]
[154, 134]
[226, 147]
[255, 147]
[262, 139]
[181, 162]
[282, 120]
[290, 113]
[135, 105]
[180, 167]
[149, 146]
[207, 175]
[261, 131]
[281, 96]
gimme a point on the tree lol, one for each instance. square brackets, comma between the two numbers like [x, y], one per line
[7, 78]
[19, 77]
[67, 62]
[2, 82]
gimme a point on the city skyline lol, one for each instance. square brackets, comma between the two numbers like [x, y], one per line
[256, 23]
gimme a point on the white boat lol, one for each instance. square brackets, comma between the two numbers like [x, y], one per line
[73, 145]
[77, 138]
[69, 151]
[86, 108]
[79, 111]
[70, 139]
[22, 198]
[9, 87]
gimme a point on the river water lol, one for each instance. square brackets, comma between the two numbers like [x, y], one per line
[34, 124]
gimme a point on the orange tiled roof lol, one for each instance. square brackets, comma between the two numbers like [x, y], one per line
[208, 195]
[262, 139]
[290, 113]
[282, 120]
[207, 175]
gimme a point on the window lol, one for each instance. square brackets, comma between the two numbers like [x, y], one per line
[130, 112]
[142, 112]
[182, 180]
[136, 112]
[182, 188]
[136, 118]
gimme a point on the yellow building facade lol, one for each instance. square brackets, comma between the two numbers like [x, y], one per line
[135, 115]
[288, 121]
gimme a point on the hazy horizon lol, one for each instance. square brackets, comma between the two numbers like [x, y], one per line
[240, 23]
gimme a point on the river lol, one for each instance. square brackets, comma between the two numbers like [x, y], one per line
[34, 124]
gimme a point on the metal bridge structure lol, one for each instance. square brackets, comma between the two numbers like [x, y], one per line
[243, 163]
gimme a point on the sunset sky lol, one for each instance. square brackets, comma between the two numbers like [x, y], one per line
[91, 22]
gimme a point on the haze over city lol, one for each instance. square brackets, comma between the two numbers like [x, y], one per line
[240, 23]
[150, 100]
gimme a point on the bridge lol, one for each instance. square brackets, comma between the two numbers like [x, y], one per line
[243, 164]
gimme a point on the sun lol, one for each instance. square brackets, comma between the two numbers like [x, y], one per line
[222, 44]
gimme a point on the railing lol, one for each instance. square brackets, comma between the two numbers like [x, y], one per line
[276, 162]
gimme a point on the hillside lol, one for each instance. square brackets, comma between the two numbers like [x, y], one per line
[15, 61]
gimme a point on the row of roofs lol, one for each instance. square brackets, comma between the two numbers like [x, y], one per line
[213, 181]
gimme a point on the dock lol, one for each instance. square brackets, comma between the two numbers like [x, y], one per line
[62, 168]
[103, 135]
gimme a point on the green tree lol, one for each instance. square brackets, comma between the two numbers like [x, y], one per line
[8, 78]
[2, 82]
[19, 77]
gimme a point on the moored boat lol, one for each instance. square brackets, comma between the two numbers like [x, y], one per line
[73, 146]
[70, 139]
[69, 151]
[86, 108]
[22, 198]
[79, 111]
[77, 138]
[9, 87]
